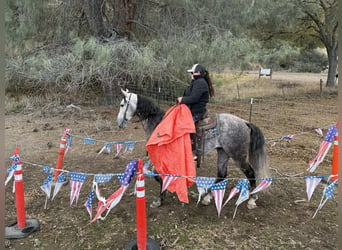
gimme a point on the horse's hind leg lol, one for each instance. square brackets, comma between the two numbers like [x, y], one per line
[160, 199]
[250, 174]
[222, 163]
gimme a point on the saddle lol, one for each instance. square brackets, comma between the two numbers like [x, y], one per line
[205, 129]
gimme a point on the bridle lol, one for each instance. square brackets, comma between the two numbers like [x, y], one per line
[128, 102]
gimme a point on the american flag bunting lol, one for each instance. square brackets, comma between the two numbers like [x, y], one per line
[76, 182]
[323, 149]
[115, 198]
[218, 190]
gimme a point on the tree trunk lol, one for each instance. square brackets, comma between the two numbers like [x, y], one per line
[93, 12]
[332, 58]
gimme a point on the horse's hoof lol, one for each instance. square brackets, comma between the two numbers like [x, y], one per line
[206, 200]
[155, 204]
[251, 204]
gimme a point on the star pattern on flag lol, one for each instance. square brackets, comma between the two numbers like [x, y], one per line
[46, 187]
[76, 182]
[329, 190]
[103, 178]
[130, 145]
[89, 203]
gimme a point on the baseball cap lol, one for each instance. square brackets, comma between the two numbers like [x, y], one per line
[196, 68]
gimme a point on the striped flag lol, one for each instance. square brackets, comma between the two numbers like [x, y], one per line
[323, 149]
[115, 198]
[118, 149]
[167, 180]
[311, 184]
[76, 182]
[265, 183]
[218, 190]
[234, 191]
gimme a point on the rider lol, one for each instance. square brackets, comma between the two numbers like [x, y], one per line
[196, 96]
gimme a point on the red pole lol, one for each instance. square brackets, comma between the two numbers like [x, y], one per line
[334, 170]
[141, 208]
[19, 191]
[61, 151]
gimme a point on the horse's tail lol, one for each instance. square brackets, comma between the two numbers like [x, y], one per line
[257, 152]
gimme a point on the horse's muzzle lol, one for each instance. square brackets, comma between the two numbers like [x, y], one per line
[122, 123]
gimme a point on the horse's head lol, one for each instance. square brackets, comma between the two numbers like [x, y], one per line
[128, 106]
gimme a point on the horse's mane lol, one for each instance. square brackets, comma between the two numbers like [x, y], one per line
[149, 111]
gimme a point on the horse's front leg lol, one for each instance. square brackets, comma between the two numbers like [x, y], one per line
[222, 168]
[160, 200]
[250, 174]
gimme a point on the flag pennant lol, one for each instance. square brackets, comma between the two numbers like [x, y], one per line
[234, 191]
[76, 182]
[203, 184]
[10, 172]
[323, 149]
[311, 184]
[115, 198]
[130, 145]
[218, 190]
[89, 203]
[106, 147]
[244, 194]
[118, 149]
[328, 193]
[288, 137]
[88, 141]
[61, 179]
[46, 187]
[319, 131]
[69, 143]
[168, 179]
[265, 183]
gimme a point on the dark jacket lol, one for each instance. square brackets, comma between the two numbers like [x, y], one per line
[196, 97]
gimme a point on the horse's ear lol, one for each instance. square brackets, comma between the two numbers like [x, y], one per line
[125, 93]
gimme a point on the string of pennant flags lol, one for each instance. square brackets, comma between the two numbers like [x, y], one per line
[107, 145]
[203, 184]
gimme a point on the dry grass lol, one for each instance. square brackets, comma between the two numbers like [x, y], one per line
[239, 86]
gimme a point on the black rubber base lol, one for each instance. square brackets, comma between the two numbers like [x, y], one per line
[13, 232]
[151, 245]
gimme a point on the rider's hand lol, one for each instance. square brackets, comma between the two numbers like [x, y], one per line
[179, 99]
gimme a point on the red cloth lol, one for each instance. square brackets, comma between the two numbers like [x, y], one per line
[169, 148]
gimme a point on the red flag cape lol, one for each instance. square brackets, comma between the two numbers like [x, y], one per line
[169, 148]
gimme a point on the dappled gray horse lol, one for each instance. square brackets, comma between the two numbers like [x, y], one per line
[236, 138]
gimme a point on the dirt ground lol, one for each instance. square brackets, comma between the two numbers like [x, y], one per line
[282, 220]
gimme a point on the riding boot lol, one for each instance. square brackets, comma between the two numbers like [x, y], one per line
[193, 145]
